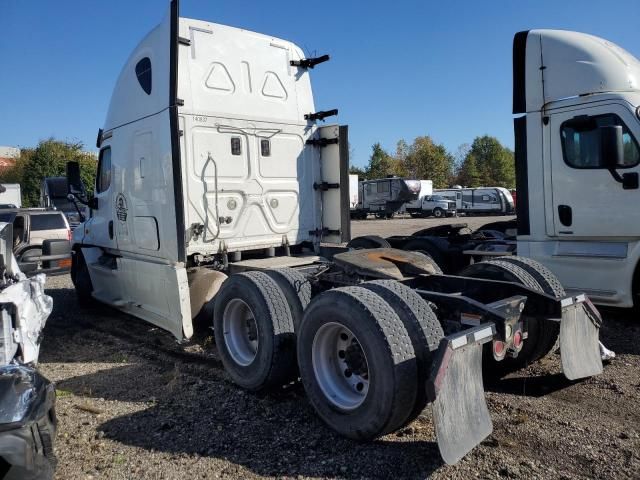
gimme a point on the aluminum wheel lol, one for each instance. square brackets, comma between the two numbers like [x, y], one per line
[340, 366]
[240, 332]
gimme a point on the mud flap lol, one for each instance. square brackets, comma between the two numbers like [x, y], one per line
[579, 332]
[455, 388]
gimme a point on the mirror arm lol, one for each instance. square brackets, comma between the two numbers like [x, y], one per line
[616, 176]
[75, 201]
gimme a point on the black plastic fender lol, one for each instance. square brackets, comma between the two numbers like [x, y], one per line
[27, 424]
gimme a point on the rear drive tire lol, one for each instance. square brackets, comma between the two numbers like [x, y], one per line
[254, 331]
[427, 248]
[538, 333]
[423, 327]
[548, 332]
[429, 258]
[296, 288]
[368, 241]
[357, 363]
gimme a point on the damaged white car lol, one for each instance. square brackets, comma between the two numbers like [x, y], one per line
[27, 414]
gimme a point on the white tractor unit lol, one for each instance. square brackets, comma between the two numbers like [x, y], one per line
[577, 156]
[219, 195]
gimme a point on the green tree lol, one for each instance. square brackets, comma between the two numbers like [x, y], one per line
[355, 170]
[494, 163]
[468, 174]
[48, 159]
[425, 159]
[381, 164]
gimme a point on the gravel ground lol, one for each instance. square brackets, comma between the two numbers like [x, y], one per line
[132, 403]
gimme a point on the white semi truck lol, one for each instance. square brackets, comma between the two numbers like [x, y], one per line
[218, 195]
[578, 160]
[577, 155]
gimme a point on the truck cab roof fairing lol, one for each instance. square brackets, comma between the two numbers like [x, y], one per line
[550, 65]
[129, 100]
[229, 71]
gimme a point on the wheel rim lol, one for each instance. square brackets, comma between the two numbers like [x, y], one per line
[340, 366]
[438, 213]
[240, 332]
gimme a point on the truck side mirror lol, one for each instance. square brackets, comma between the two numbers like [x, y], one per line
[74, 182]
[611, 146]
[612, 156]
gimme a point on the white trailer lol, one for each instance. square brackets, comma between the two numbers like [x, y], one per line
[10, 196]
[353, 192]
[218, 195]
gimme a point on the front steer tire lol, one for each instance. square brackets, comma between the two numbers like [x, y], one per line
[390, 363]
[254, 331]
[81, 279]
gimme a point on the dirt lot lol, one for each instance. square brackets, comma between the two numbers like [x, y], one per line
[134, 404]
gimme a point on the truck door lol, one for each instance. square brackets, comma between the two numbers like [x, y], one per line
[587, 201]
[102, 222]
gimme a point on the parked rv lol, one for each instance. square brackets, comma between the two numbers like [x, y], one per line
[481, 200]
[10, 196]
[384, 197]
[256, 240]
[53, 195]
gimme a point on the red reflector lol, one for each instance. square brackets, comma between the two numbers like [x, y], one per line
[517, 339]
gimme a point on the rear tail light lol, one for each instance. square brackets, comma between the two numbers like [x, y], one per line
[69, 234]
[517, 339]
[499, 349]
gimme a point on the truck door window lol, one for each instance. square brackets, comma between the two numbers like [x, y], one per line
[581, 142]
[103, 178]
[383, 187]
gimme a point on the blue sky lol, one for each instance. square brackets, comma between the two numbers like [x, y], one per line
[398, 69]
